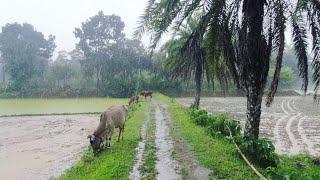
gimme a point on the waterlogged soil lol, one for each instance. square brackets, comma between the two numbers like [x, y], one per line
[135, 173]
[42, 147]
[145, 149]
[188, 166]
[166, 166]
[173, 158]
[292, 123]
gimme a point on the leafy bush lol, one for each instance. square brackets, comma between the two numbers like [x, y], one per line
[199, 117]
[220, 124]
[261, 151]
[216, 124]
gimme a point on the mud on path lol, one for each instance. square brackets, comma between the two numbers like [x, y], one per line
[188, 166]
[166, 166]
[292, 123]
[42, 147]
[174, 159]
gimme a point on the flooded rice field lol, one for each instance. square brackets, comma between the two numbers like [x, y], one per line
[42, 147]
[292, 123]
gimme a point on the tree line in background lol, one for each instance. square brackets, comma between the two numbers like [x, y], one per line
[106, 63]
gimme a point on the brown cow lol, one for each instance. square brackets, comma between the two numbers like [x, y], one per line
[134, 100]
[113, 117]
[146, 94]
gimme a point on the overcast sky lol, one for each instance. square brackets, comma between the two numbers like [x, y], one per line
[60, 17]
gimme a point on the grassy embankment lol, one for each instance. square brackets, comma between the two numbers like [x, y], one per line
[221, 156]
[113, 163]
[56, 106]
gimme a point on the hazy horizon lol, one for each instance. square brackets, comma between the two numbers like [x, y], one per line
[60, 18]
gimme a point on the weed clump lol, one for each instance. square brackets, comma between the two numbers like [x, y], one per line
[260, 151]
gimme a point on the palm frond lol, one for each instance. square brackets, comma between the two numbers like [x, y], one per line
[279, 28]
[313, 18]
[192, 48]
[188, 10]
[157, 18]
[163, 16]
[144, 20]
[300, 45]
[229, 51]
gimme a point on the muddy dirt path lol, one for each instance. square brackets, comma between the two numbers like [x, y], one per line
[135, 172]
[166, 166]
[42, 147]
[188, 167]
[292, 123]
[174, 159]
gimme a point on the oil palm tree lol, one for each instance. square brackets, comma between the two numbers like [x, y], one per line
[195, 66]
[246, 31]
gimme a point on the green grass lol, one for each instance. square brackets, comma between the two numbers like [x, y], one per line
[113, 163]
[55, 106]
[216, 154]
[288, 169]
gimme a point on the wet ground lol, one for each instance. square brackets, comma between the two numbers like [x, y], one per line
[292, 123]
[166, 166]
[135, 173]
[174, 159]
[186, 164]
[42, 147]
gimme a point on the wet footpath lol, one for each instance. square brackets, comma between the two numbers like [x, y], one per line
[161, 153]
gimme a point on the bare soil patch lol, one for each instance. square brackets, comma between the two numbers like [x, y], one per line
[42, 147]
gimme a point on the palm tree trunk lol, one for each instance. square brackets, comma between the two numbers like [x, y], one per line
[198, 78]
[254, 100]
[257, 64]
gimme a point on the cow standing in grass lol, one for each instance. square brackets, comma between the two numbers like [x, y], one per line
[134, 100]
[146, 94]
[113, 117]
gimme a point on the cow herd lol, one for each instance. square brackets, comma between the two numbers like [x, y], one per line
[113, 117]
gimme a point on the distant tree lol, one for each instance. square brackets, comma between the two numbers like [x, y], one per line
[2, 70]
[287, 76]
[63, 56]
[25, 53]
[122, 72]
[76, 55]
[62, 73]
[99, 37]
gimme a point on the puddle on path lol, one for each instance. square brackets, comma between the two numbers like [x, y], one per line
[165, 165]
[135, 174]
[189, 167]
[175, 159]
